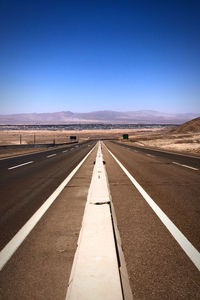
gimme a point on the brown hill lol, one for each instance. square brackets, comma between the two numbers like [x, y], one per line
[68, 117]
[192, 126]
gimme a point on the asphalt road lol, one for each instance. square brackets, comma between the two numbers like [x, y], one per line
[191, 160]
[158, 268]
[26, 181]
[40, 268]
[172, 180]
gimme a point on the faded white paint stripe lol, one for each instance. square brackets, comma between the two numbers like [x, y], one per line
[51, 155]
[24, 164]
[65, 151]
[185, 244]
[27, 154]
[17, 240]
[185, 166]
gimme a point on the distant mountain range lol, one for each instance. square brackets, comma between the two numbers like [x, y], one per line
[106, 116]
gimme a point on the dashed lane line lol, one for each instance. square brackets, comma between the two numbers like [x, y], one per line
[185, 166]
[17, 166]
[168, 152]
[26, 154]
[65, 151]
[7, 252]
[184, 243]
[51, 155]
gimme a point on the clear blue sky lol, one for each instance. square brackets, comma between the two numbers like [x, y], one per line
[99, 55]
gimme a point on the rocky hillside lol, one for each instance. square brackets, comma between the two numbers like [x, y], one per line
[192, 126]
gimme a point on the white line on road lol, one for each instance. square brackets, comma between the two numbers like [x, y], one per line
[188, 248]
[168, 152]
[26, 154]
[65, 151]
[20, 236]
[189, 167]
[27, 163]
[95, 272]
[51, 155]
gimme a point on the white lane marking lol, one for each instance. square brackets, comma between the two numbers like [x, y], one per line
[168, 152]
[65, 151]
[188, 248]
[24, 154]
[189, 167]
[150, 155]
[51, 155]
[20, 236]
[27, 163]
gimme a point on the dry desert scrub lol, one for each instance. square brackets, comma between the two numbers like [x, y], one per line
[14, 137]
[179, 142]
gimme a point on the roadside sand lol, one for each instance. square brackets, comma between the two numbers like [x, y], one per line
[146, 137]
[188, 143]
[13, 137]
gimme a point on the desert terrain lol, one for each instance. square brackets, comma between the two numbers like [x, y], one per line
[183, 138]
[16, 137]
[31, 137]
[180, 142]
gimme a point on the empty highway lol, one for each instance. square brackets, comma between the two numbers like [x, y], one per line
[26, 181]
[158, 266]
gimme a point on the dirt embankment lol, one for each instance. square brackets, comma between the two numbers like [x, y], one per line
[183, 138]
[192, 126]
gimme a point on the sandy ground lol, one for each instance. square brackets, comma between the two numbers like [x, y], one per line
[189, 143]
[149, 137]
[13, 137]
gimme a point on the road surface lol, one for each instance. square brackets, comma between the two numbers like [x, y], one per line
[158, 267]
[26, 181]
